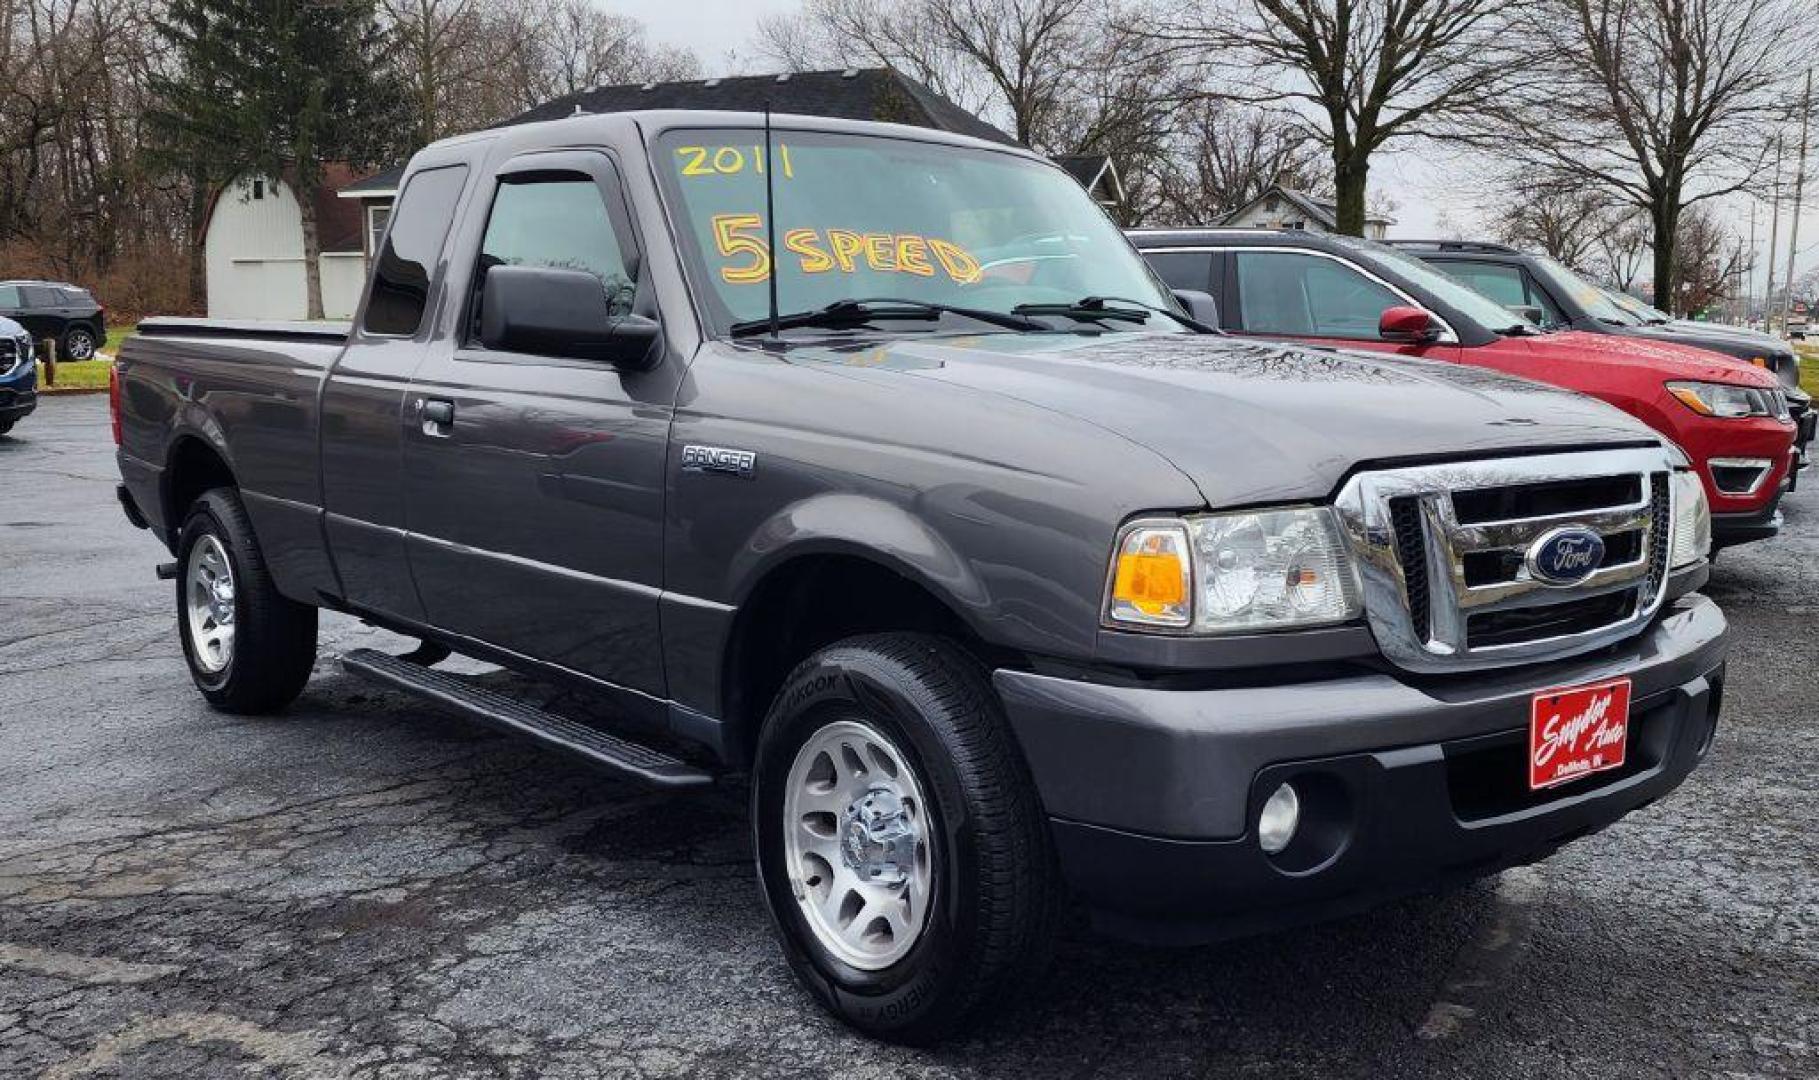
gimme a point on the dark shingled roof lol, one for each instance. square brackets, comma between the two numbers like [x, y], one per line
[380, 183]
[881, 94]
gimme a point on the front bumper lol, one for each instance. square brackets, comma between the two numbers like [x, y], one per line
[1729, 530]
[1154, 794]
[16, 403]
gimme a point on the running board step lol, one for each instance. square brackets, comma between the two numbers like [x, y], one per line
[509, 714]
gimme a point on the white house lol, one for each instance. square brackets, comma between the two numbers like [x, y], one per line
[253, 246]
[1285, 208]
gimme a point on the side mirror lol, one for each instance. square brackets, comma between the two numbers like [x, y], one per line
[550, 312]
[1531, 312]
[1409, 325]
[1200, 306]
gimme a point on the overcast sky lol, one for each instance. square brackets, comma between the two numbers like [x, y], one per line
[1422, 182]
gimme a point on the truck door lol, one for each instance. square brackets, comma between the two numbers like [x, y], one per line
[535, 483]
[363, 400]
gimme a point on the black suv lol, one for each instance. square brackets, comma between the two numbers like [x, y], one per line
[1556, 296]
[58, 312]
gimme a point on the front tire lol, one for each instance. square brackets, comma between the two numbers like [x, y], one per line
[902, 850]
[249, 648]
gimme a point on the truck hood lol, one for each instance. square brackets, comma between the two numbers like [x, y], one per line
[1249, 421]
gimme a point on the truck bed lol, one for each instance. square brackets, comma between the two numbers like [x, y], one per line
[250, 393]
[324, 331]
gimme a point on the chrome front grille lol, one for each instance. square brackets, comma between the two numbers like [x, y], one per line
[1443, 555]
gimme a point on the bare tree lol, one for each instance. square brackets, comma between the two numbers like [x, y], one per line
[1622, 250]
[1567, 223]
[1029, 64]
[1663, 104]
[1363, 74]
[1224, 155]
[575, 46]
[470, 63]
[1706, 262]
[874, 33]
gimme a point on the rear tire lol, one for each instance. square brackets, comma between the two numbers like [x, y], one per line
[249, 648]
[920, 721]
[78, 344]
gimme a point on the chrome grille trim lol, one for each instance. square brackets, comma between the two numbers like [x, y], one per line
[1420, 611]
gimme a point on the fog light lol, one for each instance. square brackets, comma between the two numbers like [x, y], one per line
[1276, 824]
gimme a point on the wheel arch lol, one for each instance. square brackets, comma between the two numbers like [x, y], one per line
[193, 465]
[819, 593]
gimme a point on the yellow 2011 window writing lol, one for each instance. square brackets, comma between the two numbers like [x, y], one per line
[731, 160]
[739, 238]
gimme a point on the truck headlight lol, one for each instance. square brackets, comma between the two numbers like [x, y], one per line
[1692, 536]
[1219, 573]
[1726, 401]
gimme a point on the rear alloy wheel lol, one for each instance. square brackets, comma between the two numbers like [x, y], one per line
[209, 604]
[78, 345]
[249, 647]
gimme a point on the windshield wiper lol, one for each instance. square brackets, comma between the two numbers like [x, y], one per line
[1097, 307]
[857, 312]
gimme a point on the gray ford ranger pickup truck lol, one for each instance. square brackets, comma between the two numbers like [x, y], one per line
[1010, 587]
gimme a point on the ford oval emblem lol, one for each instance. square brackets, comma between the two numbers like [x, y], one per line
[1566, 556]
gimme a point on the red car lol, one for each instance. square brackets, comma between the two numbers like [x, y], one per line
[1731, 418]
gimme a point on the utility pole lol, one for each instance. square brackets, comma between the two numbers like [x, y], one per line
[1749, 272]
[1793, 221]
[1774, 238]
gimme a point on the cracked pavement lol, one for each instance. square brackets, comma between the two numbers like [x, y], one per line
[365, 888]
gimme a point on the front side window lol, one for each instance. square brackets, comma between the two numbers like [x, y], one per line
[1284, 292]
[561, 223]
[401, 277]
[867, 216]
[1501, 283]
[10, 299]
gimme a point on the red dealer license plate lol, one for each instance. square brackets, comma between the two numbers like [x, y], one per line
[1577, 732]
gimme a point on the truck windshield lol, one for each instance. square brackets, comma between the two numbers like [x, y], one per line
[1589, 296]
[870, 217]
[1447, 289]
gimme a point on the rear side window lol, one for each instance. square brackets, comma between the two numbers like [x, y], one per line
[401, 279]
[1283, 292]
[1183, 269]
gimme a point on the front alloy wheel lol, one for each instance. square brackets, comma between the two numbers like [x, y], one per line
[902, 850]
[857, 843]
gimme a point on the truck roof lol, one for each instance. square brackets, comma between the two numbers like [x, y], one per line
[654, 121]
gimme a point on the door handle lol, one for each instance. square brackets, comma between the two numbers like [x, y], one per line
[437, 414]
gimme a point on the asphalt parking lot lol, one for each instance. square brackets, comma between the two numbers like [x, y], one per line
[362, 887]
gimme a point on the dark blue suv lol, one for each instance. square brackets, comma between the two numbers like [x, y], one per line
[18, 375]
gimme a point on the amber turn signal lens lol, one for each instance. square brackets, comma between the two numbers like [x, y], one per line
[1150, 585]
